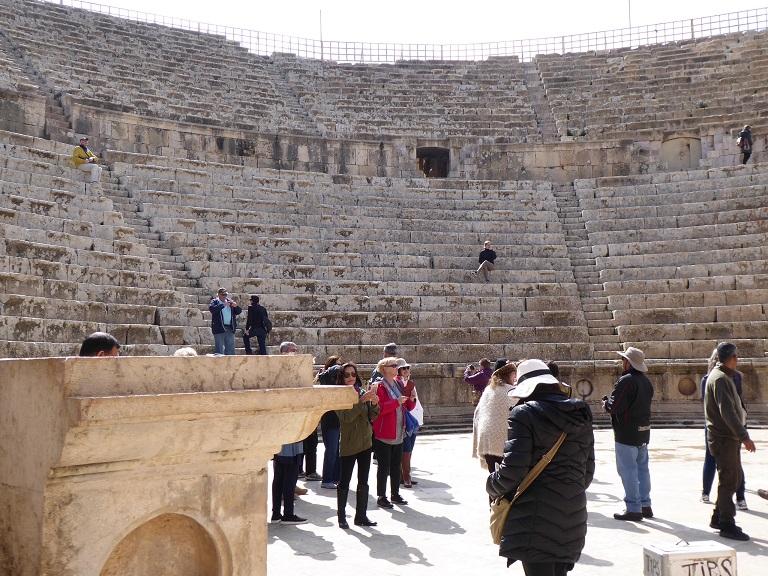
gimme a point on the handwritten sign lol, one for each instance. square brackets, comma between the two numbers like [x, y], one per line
[704, 558]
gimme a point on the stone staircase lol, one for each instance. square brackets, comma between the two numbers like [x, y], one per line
[545, 120]
[600, 325]
[169, 262]
[57, 125]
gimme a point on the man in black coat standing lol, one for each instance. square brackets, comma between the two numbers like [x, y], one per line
[547, 526]
[630, 410]
[257, 324]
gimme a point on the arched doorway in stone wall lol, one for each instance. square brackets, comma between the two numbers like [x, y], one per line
[169, 544]
[433, 162]
[681, 150]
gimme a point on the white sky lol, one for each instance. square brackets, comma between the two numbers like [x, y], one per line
[434, 21]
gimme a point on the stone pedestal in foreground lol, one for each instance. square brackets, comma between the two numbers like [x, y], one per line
[122, 466]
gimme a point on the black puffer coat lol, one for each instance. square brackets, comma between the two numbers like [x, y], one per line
[548, 522]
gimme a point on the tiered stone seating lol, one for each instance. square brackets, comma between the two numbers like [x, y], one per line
[683, 258]
[346, 264]
[682, 85]
[150, 70]
[68, 263]
[427, 99]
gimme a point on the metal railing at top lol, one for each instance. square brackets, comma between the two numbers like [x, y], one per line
[266, 44]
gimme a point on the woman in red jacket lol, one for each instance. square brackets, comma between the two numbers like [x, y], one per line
[389, 431]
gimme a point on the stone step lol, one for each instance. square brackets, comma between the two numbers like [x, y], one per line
[604, 339]
[172, 266]
[601, 331]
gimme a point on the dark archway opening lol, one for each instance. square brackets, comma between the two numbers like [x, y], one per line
[433, 162]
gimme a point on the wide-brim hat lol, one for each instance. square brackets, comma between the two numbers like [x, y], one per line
[531, 373]
[401, 363]
[635, 357]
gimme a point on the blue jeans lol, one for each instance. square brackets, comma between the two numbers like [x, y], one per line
[225, 343]
[632, 466]
[331, 462]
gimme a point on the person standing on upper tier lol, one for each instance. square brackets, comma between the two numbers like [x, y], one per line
[745, 142]
[86, 160]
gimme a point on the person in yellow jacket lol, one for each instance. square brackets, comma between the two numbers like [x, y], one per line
[86, 160]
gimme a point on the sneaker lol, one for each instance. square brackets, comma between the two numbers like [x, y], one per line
[328, 485]
[487, 281]
[276, 518]
[742, 505]
[705, 498]
[397, 499]
[293, 520]
[382, 502]
[313, 476]
[631, 516]
[301, 474]
[763, 493]
[733, 532]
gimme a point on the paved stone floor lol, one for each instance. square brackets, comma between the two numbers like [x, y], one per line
[444, 528]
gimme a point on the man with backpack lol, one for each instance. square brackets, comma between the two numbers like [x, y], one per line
[257, 324]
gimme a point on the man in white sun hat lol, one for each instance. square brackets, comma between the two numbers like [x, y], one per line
[630, 410]
[547, 526]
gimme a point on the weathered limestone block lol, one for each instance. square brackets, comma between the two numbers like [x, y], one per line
[146, 465]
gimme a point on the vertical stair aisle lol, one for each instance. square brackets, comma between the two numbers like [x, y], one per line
[600, 324]
[545, 120]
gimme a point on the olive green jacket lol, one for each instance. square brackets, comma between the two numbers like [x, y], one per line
[355, 428]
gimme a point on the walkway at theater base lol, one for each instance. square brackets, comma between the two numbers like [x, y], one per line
[444, 528]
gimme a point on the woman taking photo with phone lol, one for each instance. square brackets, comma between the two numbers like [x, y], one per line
[355, 446]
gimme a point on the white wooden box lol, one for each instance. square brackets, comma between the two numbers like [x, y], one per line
[689, 559]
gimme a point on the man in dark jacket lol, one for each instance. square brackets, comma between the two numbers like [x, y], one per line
[725, 435]
[224, 312]
[257, 324]
[547, 525]
[487, 260]
[630, 410]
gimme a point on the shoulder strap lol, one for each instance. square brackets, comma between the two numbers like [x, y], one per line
[540, 465]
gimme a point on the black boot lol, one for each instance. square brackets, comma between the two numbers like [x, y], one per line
[715, 520]
[341, 503]
[361, 507]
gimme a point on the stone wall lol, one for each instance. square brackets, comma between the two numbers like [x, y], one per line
[22, 111]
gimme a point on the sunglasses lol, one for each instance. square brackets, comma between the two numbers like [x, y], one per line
[390, 365]
[350, 374]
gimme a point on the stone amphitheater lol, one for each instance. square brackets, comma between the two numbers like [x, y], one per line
[608, 183]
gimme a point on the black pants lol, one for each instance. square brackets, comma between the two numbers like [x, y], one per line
[747, 154]
[727, 453]
[546, 568]
[363, 460]
[310, 453]
[390, 457]
[262, 340]
[284, 483]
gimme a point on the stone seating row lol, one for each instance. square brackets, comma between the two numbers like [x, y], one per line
[19, 276]
[104, 312]
[659, 268]
[700, 192]
[685, 298]
[714, 253]
[290, 202]
[525, 305]
[163, 218]
[698, 349]
[62, 216]
[693, 331]
[707, 231]
[686, 214]
[409, 334]
[546, 284]
[65, 199]
[538, 272]
[61, 263]
[659, 315]
[729, 286]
